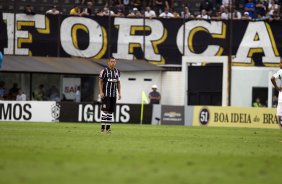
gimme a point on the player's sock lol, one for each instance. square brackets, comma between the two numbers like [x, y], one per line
[108, 127]
[109, 119]
[102, 127]
[103, 120]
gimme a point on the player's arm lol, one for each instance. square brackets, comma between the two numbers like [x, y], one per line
[119, 89]
[119, 86]
[273, 80]
[101, 88]
[101, 77]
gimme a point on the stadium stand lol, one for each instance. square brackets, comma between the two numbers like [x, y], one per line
[41, 6]
[64, 6]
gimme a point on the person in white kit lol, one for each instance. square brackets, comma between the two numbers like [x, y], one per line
[276, 80]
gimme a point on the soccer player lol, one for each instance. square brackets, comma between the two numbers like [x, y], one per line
[277, 77]
[109, 85]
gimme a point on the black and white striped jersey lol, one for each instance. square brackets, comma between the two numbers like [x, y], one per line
[110, 79]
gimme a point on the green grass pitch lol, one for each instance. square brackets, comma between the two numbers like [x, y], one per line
[66, 153]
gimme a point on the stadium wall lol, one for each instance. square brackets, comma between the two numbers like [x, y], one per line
[133, 83]
[172, 88]
[254, 43]
[241, 92]
[171, 84]
[243, 81]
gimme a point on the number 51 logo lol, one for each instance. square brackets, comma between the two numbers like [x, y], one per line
[204, 116]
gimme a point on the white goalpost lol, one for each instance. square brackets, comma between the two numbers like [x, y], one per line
[198, 60]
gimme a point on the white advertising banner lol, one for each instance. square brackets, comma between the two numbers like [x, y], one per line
[69, 87]
[35, 111]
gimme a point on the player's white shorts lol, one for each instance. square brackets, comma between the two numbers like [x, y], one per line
[279, 109]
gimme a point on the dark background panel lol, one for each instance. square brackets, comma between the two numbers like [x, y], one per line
[172, 115]
[205, 84]
[90, 112]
